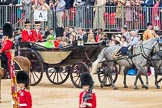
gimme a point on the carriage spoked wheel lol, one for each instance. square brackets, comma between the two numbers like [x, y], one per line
[58, 75]
[76, 70]
[104, 76]
[36, 71]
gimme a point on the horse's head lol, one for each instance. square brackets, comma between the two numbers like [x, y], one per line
[158, 47]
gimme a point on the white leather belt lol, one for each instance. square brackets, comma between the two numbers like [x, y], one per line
[22, 104]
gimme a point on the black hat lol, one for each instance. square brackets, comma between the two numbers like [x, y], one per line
[27, 23]
[148, 24]
[22, 77]
[7, 30]
[37, 23]
[86, 79]
[59, 31]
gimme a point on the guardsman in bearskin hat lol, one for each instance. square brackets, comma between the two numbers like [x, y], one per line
[24, 96]
[37, 36]
[87, 99]
[26, 33]
[6, 49]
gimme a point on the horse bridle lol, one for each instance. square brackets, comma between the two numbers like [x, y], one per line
[143, 52]
[154, 50]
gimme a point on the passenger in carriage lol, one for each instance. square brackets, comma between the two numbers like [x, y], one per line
[81, 34]
[26, 33]
[125, 33]
[36, 34]
[127, 50]
[99, 35]
[115, 40]
[50, 42]
[123, 41]
[91, 37]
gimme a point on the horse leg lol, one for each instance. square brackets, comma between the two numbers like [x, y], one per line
[156, 76]
[135, 82]
[124, 81]
[142, 83]
[110, 73]
[159, 80]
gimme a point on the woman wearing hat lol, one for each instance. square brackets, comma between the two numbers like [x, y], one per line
[87, 99]
[26, 33]
[24, 96]
[7, 44]
[37, 36]
[50, 42]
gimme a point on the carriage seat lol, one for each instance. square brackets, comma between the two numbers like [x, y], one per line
[124, 51]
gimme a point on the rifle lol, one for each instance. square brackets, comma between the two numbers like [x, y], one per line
[88, 96]
[13, 85]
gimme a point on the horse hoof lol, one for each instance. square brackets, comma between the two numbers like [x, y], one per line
[135, 88]
[146, 87]
[143, 86]
[101, 85]
[125, 86]
[115, 88]
[158, 87]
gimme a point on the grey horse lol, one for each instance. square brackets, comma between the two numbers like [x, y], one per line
[140, 55]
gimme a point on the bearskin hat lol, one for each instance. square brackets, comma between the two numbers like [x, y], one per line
[7, 30]
[22, 77]
[59, 31]
[86, 79]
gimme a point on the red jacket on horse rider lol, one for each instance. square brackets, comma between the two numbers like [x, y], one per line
[6, 49]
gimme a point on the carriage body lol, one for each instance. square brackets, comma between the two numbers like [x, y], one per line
[59, 63]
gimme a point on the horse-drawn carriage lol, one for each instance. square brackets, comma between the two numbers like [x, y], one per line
[60, 63]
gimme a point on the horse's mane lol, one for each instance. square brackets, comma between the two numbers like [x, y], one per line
[149, 40]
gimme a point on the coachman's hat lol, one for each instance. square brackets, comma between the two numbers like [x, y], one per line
[22, 77]
[148, 24]
[27, 23]
[7, 30]
[86, 79]
[37, 23]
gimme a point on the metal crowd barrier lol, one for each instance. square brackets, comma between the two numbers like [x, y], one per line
[89, 17]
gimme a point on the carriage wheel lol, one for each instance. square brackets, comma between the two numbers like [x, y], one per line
[103, 75]
[58, 75]
[36, 71]
[77, 69]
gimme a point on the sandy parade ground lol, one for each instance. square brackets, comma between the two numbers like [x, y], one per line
[47, 95]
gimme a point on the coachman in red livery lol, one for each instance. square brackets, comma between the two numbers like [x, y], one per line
[6, 46]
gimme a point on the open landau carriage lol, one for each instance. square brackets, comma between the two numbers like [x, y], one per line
[61, 63]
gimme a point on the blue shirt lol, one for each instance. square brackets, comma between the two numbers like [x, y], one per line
[133, 41]
[62, 4]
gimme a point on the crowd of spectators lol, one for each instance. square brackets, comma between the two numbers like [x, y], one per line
[133, 11]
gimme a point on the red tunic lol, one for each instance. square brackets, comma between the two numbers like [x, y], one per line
[36, 36]
[93, 100]
[6, 48]
[24, 99]
[26, 36]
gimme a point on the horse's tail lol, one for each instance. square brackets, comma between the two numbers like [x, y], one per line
[99, 59]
